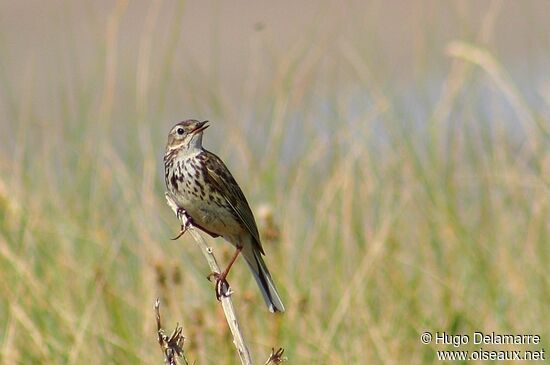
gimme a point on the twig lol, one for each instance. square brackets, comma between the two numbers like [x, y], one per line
[171, 346]
[227, 303]
[276, 357]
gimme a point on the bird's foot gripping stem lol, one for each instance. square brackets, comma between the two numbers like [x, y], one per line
[181, 213]
[222, 286]
[223, 290]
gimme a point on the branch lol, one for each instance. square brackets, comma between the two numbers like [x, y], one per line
[226, 301]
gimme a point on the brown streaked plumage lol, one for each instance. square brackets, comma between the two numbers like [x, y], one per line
[202, 187]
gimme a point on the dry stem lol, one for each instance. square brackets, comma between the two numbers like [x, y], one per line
[172, 345]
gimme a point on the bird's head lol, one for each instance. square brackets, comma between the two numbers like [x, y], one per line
[186, 134]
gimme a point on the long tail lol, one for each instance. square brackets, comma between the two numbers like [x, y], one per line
[263, 278]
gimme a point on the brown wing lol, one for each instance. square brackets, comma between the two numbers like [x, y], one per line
[220, 177]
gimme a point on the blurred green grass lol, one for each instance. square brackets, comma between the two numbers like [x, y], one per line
[396, 209]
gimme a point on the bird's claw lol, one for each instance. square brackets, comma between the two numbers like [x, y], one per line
[188, 222]
[223, 290]
[182, 232]
[181, 213]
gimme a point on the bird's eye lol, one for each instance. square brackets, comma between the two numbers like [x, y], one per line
[180, 131]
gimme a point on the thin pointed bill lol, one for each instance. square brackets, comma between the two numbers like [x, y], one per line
[201, 126]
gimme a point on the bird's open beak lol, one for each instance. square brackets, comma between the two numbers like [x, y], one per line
[200, 127]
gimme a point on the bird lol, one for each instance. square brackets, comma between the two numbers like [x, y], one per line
[205, 191]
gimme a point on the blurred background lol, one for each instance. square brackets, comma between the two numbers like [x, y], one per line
[396, 156]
